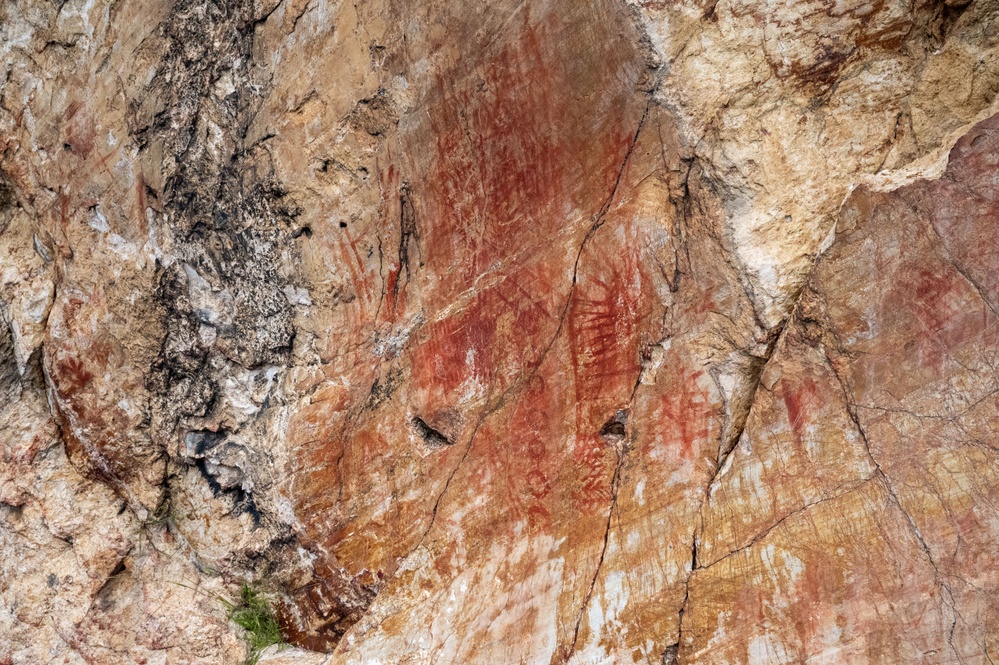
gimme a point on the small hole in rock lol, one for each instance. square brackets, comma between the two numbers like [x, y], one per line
[616, 427]
[612, 428]
[432, 437]
[343, 225]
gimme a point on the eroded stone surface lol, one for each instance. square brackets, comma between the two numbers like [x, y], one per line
[869, 453]
[496, 333]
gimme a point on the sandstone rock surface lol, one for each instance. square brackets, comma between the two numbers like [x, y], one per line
[516, 332]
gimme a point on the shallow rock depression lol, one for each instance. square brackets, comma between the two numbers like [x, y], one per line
[539, 332]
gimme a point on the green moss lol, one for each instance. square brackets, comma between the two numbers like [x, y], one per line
[254, 615]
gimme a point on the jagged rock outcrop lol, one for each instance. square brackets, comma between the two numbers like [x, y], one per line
[538, 332]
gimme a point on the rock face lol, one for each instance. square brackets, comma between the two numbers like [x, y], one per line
[524, 332]
[869, 452]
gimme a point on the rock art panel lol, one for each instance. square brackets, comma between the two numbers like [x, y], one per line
[541, 332]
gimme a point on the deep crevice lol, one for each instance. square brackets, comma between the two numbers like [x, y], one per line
[615, 487]
[671, 655]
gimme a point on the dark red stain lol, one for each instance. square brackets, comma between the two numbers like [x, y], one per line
[517, 155]
[317, 431]
[964, 206]
[95, 432]
[522, 455]
[141, 204]
[817, 586]
[798, 396]
[487, 345]
[683, 421]
[64, 212]
[507, 165]
[526, 148]
[749, 604]
[927, 308]
[454, 349]
[680, 418]
[605, 322]
[398, 239]
[501, 158]
[73, 376]
[931, 292]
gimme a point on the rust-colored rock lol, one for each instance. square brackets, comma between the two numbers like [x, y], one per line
[550, 332]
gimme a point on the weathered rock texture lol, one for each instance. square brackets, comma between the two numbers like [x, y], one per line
[567, 331]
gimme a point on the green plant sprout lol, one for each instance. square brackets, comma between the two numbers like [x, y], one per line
[254, 615]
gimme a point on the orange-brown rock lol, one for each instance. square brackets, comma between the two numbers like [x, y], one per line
[869, 453]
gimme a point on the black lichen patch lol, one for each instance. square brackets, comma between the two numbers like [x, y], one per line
[229, 217]
[383, 387]
[241, 501]
[7, 196]
[198, 443]
[9, 377]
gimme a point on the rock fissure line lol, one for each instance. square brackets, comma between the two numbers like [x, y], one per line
[447, 483]
[837, 493]
[598, 221]
[961, 271]
[776, 336]
[671, 655]
[536, 365]
[726, 448]
[947, 594]
[615, 486]
[621, 449]
[185, 171]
